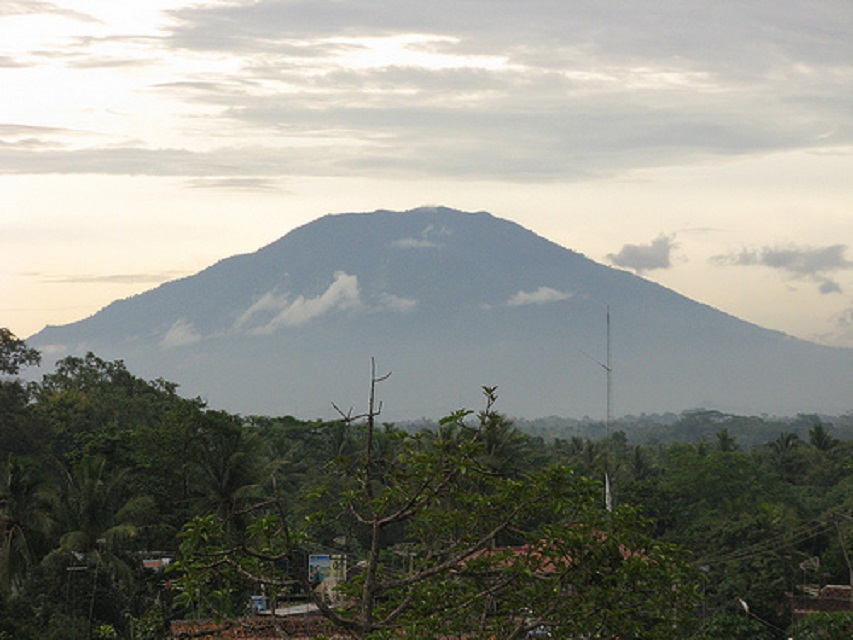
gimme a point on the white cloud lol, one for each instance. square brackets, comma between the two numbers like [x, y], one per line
[415, 243]
[180, 334]
[542, 295]
[397, 303]
[342, 294]
[424, 240]
[30, 7]
[54, 349]
[269, 302]
[115, 278]
[234, 184]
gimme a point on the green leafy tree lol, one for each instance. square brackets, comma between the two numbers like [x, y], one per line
[490, 555]
[70, 595]
[734, 626]
[15, 354]
[19, 431]
[95, 407]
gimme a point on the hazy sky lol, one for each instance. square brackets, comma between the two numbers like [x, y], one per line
[706, 145]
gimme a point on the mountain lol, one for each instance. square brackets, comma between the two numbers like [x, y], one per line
[447, 301]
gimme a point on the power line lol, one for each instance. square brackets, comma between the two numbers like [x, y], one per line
[782, 541]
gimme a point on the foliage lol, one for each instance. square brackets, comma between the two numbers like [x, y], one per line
[491, 553]
[824, 626]
[734, 626]
[151, 625]
[26, 497]
[15, 354]
[469, 516]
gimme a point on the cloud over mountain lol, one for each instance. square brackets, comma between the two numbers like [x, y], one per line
[273, 311]
[180, 334]
[541, 295]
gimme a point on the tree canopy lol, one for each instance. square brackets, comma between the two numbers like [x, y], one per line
[466, 526]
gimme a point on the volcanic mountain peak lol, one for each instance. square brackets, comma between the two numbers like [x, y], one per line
[449, 301]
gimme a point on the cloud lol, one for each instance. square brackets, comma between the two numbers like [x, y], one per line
[9, 62]
[693, 30]
[842, 332]
[216, 164]
[845, 326]
[397, 303]
[424, 240]
[829, 286]
[54, 349]
[30, 138]
[29, 7]
[542, 295]
[645, 257]
[526, 91]
[234, 184]
[269, 302]
[276, 311]
[415, 243]
[180, 334]
[804, 263]
[806, 260]
[116, 278]
[95, 62]
[107, 160]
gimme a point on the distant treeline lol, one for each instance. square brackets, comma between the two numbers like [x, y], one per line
[694, 426]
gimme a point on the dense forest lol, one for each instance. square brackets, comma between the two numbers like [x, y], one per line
[125, 506]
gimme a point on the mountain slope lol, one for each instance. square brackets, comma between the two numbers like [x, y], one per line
[448, 301]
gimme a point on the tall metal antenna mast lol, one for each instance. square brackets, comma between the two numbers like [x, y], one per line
[609, 369]
[607, 365]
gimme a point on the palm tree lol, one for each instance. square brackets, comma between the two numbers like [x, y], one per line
[25, 498]
[96, 517]
[783, 449]
[506, 450]
[726, 443]
[785, 443]
[642, 467]
[228, 462]
[819, 438]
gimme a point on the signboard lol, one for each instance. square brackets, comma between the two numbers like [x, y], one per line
[325, 571]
